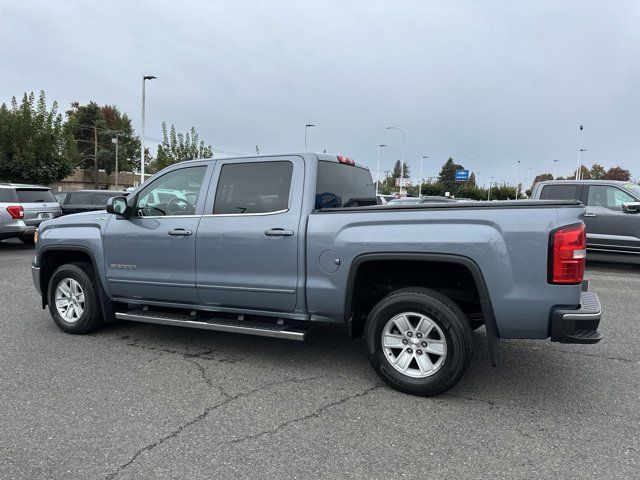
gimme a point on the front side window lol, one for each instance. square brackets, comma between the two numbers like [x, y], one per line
[608, 197]
[256, 187]
[175, 193]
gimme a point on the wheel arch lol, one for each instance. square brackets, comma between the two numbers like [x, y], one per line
[433, 258]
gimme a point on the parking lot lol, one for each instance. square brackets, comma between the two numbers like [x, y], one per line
[144, 401]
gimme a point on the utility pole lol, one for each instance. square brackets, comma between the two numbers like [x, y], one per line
[95, 156]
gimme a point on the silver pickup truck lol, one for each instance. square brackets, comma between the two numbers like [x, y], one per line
[268, 245]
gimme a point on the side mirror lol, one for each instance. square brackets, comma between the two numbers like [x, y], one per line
[118, 206]
[631, 207]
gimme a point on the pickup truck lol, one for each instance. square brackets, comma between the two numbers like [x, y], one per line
[268, 245]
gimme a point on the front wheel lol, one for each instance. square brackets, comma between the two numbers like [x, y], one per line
[419, 341]
[73, 299]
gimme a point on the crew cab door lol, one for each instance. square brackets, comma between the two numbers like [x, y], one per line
[248, 240]
[152, 255]
[608, 226]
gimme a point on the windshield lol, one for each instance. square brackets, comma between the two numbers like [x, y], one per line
[34, 195]
[633, 188]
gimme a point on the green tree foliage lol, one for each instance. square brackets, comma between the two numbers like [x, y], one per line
[585, 173]
[448, 175]
[617, 173]
[543, 177]
[597, 171]
[92, 121]
[35, 146]
[177, 147]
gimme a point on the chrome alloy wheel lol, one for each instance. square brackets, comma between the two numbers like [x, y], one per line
[69, 300]
[414, 344]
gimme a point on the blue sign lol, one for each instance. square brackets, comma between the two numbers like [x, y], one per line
[462, 175]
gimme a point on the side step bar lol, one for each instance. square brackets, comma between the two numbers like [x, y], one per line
[219, 324]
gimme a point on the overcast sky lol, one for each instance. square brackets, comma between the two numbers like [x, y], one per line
[495, 82]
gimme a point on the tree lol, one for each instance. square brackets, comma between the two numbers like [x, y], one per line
[177, 147]
[119, 124]
[596, 172]
[543, 177]
[585, 173]
[617, 173]
[447, 175]
[35, 146]
[472, 179]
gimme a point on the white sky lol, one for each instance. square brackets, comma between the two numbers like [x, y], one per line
[495, 81]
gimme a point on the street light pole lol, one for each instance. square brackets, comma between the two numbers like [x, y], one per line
[305, 134]
[144, 79]
[380, 146]
[554, 168]
[518, 179]
[115, 140]
[489, 194]
[404, 141]
[420, 187]
[580, 150]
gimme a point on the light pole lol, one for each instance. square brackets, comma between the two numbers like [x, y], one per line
[580, 150]
[380, 146]
[518, 179]
[115, 140]
[404, 141]
[144, 79]
[306, 127]
[420, 187]
[489, 194]
[554, 168]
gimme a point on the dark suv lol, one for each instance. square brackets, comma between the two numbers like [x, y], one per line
[78, 201]
[613, 211]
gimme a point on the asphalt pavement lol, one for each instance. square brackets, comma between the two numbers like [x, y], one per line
[137, 401]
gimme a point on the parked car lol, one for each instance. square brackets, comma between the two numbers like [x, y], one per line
[612, 212]
[257, 251]
[22, 208]
[77, 201]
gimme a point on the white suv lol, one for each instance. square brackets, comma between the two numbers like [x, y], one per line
[22, 208]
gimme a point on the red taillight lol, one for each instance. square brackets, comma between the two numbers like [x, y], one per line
[16, 212]
[568, 252]
[346, 160]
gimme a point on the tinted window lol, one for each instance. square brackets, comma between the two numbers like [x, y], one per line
[34, 196]
[60, 197]
[102, 198]
[81, 198]
[341, 185]
[608, 197]
[180, 190]
[259, 187]
[560, 192]
[6, 195]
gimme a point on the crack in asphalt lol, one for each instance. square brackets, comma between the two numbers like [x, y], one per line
[314, 414]
[202, 416]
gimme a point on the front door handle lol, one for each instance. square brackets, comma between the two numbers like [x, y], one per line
[180, 232]
[590, 214]
[278, 232]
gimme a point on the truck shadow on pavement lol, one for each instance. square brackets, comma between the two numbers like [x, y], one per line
[531, 372]
[14, 245]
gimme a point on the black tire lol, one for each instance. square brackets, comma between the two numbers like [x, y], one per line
[446, 315]
[27, 240]
[91, 318]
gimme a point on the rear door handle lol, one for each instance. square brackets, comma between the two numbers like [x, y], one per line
[590, 215]
[278, 232]
[180, 232]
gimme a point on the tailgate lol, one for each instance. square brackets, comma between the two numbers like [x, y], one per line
[38, 204]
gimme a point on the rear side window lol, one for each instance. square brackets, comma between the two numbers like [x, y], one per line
[341, 185]
[81, 198]
[6, 195]
[102, 198]
[560, 192]
[33, 195]
[257, 187]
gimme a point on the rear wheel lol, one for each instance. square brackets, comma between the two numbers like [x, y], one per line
[73, 299]
[419, 341]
